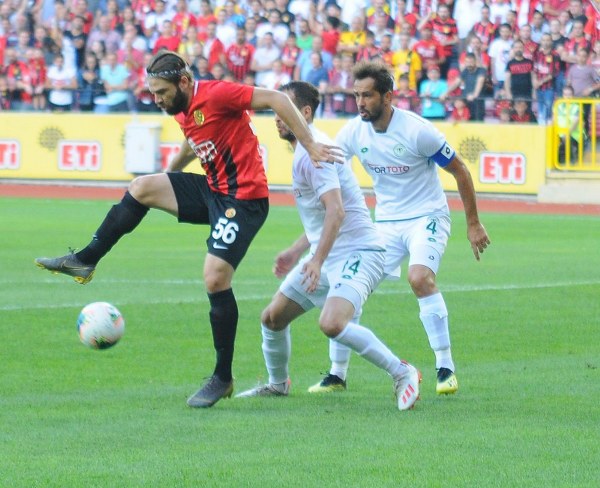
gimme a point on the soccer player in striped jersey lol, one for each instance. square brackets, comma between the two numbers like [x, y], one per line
[402, 153]
[232, 198]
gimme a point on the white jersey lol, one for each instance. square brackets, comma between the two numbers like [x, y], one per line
[402, 163]
[309, 184]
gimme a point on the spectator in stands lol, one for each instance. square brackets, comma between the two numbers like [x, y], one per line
[404, 97]
[205, 16]
[369, 51]
[153, 22]
[522, 112]
[318, 74]
[460, 111]
[225, 31]
[546, 68]
[61, 82]
[264, 57]
[499, 11]
[330, 33]
[18, 80]
[287, 17]
[574, 43]
[88, 82]
[144, 100]
[475, 46]
[485, 29]
[37, 74]
[529, 46]
[499, 53]
[571, 128]
[304, 64]
[257, 12]
[539, 27]
[187, 46]
[4, 94]
[78, 39]
[352, 40]
[576, 14]
[115, 78]
[200, 69]
[429, 49]
[407, 62]
[385, 51]
[278, 30]
[552, 8]
[103, 32]
[213, 49]
[430, 91]
[402, 17]
[99, 49]
[519, 74]
[585, 81]
[23, 45]
[290, 54]
[504, 116]
[467, 13]
[80, 8]
[183, 18]
[379, 9]
[595, 57]
[168, 39]
[275, 77]
[305, 36]
[472, 81]
[239, 55]
[131, 51]
[446, 33]
[341, 88]
[380, 28]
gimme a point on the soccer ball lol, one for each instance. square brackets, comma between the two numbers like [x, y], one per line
[100, 325]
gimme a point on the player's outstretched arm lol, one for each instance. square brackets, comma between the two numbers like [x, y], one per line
[281, 104]
[184, 157]
[476, 232]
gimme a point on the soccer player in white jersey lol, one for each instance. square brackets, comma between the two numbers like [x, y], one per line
[402, 153]
[344, 265]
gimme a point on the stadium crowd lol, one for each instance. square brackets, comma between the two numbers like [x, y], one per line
[507, 60]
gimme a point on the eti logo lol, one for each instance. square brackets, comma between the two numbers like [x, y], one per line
[503, 168]
[10, 154]
[79, 156]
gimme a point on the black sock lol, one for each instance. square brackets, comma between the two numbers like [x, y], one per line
[120, 220]
[223, 320]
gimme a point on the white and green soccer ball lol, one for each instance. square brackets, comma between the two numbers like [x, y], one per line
[100, 325]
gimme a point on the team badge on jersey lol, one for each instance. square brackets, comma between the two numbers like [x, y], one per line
[399, 150]
[198, 117]
[230, 213]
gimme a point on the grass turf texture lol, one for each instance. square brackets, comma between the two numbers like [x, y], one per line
[524, 324]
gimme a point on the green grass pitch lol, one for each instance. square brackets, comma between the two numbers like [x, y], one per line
[526, 340]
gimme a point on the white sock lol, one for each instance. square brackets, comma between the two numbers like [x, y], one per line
[434, 316]
[340, 359]
[277, 348]
[365, 343]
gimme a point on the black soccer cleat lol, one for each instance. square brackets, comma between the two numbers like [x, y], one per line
[69, 265]
[212, 391]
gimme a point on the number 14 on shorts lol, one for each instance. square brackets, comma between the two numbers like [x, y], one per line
[351, 267]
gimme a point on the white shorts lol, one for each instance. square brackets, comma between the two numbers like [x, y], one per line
[353, 276]
[423, 239]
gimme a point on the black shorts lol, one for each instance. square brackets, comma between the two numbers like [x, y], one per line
[233, 222]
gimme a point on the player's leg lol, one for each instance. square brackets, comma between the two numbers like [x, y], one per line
[289, 302]
[234, 224]
[276, 346]
[348, 293]
[427, 243]
[152, 191]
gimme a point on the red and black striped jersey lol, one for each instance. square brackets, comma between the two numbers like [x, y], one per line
[239, 59]
[546, 64]
[443, 31]
[219, 130]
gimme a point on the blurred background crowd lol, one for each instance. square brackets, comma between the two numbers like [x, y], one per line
[506, 61]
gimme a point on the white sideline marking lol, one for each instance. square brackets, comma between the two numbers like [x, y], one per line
[241, 296]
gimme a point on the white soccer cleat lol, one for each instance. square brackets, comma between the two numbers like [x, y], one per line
[267, 390]
[406, 387]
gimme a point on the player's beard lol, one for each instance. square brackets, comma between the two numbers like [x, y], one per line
[180, 103]
[285, 133]
[372, 116]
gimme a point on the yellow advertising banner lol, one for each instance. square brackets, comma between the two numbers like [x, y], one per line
[501, 158]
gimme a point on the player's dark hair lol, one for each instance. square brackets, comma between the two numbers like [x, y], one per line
[304, 94]
[378, 71]
[169, 66]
